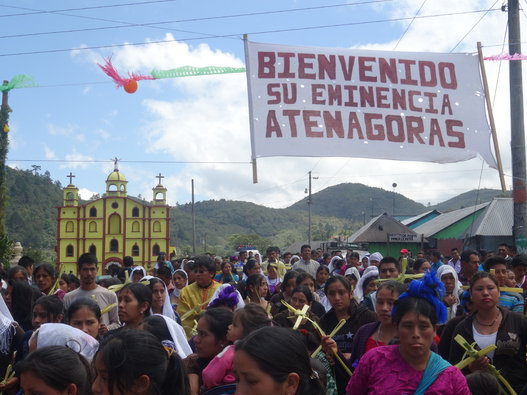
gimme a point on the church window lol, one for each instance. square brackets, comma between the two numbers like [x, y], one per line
[135, 212]
[156, 250]
[69, 250]
[69, 196]
[157, 226]
[112, 188]
[92, 227]
[135, 250]
[93, 212]
[114, 224]
[115, 205]
[135, 226]
[69, 226]
[114, 245]
[93, 250]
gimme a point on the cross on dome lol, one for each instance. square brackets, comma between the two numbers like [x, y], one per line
[70, 176]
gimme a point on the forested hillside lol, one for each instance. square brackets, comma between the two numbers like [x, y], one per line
[31, 216]
[350, 201]
[222, 224]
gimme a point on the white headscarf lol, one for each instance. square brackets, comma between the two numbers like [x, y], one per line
[446, 269]
[6, 334]
[178, 336]
[168, 311]
[137, 269]
[241, 303]
[331, 266]
[65, 335]
[376, 256]
[354, 271]
[371, 271]
[176, 289]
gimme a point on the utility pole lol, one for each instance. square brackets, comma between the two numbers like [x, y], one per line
[517, 130]
[309, 210]
[4, 142]
[394, 185]
[193, 223]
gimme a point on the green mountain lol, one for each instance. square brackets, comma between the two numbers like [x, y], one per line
[222, 224]
[469, 198]
[31, 216]
[357, 201]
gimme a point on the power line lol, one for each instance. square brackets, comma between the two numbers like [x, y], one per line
[36, 12]
[126, 24]
[130, 161]
[410, 24]
[239, 35]
[472, 28]
[155, 24]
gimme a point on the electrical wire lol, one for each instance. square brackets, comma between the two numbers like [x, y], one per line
[36, 12]
[409, 25]
[130, 161]
[472, 28]
[239, 35]
[152, 24]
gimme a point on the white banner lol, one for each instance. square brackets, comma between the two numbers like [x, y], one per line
[308, 101]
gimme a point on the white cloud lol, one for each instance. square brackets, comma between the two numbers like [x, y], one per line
[207, 121]
[76, 160]
[49, 153]
[103, 134]
[86, 194]
[61, 130]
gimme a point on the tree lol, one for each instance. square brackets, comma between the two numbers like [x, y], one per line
[6, 250]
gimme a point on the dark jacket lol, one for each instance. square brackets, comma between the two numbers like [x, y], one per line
[359, 315]
[511, 341]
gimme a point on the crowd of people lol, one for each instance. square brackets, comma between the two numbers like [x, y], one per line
[308, 323]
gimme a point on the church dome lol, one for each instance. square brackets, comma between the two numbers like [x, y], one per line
[116, 176]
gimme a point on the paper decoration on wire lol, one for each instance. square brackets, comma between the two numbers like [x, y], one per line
[129, 84]
[17, 82]
[506, 56]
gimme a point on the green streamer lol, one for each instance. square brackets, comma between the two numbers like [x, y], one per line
[17, 82]
[189, 71]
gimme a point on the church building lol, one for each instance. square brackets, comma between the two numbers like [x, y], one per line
[113, 226]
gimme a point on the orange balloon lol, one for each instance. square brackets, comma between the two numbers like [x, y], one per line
[130, 86]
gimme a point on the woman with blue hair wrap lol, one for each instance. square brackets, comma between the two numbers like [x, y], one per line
[410, 367]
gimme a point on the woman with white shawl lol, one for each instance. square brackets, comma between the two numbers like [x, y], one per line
[64, 335]
[137, 273]
[177, 340]
[367, 275]
[333, 267]
[10, 335]
[160, 299]
[448, 276]
[227, 295]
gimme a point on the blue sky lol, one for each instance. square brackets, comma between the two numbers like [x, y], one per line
[76, 120]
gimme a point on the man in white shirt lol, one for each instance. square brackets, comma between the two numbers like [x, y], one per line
[306, 263]
[87, 270]
[455, 262]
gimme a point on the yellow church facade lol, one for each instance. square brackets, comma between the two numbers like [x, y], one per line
[113, 226]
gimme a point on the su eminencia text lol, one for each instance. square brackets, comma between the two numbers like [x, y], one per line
[419, 104]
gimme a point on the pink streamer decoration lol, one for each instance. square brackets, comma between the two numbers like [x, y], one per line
[506, 56]
[120, 81]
